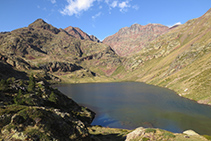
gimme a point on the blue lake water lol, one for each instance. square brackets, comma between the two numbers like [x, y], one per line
[131, 104]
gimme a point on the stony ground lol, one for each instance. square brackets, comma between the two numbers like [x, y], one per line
[142, 134]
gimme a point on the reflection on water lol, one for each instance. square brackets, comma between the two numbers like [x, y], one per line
[130, 105]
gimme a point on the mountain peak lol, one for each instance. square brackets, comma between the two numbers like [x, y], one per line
[40, 23]
[135, 25]
[78, 33]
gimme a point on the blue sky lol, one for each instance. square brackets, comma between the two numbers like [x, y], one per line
[99, 17]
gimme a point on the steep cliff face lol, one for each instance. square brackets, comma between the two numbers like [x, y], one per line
[129, 40]
[78, 33]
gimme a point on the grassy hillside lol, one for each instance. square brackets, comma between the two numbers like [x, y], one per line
[179, 60]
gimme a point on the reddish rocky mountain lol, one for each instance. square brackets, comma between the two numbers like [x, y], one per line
[78, 33]
[129, 40]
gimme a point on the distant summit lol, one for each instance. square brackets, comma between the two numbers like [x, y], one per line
[129, 40]
[78, 33]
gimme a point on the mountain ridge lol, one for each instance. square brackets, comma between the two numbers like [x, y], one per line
[129, 40]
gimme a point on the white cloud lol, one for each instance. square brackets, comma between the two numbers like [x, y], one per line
[53, 1]
[96, 15]
[76, 7]
[114, 4]
[178, 23]
[136, 7]
[123, 6]
[107, 1]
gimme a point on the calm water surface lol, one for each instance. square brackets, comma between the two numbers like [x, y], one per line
[130, 105]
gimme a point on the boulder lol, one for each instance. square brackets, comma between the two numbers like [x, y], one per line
[135, 134]
[190, 133]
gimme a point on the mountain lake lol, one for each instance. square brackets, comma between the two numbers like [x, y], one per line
[131, 104]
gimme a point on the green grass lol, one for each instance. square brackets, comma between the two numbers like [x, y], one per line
[11, 109]
[150, 130]
[207, 137]
[145, 139]
[37, 133]
[168, 135]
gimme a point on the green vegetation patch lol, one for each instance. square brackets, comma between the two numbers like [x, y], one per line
[52, 97]
[34, 133]
[31, 86]
[145, 139]
[10, 109]
[150, 130]
[168, 135]
[207, 137]
[3, 85]
[32, 113]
